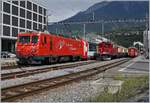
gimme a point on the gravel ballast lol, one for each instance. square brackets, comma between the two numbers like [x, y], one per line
[74, 92]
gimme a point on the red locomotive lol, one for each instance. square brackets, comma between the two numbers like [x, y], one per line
[104, 50]
[40, 47]
[132, 52]
[107, 50]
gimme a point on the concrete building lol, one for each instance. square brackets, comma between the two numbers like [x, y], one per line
[20, 16]
[146, 43]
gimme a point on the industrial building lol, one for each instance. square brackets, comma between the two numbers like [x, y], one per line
[20, 16]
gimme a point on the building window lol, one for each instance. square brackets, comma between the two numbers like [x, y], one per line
[22, 23]
[6, 30]
[14, 10]
[44, 20]
[44, 27]
[40, 27]
[34, 26]
[21, 30]
[22, 13]
[34, 17]
[22, 4]
[14, 32]
[40, 19]
[6, 19]
[35, 7]
[40, 10]
[29, 5]
[29, 15]
[44, 12]
[15, 2]
[28, 24]
[6, 7]
[14, 21]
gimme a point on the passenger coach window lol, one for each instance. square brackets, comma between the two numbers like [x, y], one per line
[34, 39]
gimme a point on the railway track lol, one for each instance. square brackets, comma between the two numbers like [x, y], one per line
[19, 91]
[14, 65]
[25, 73]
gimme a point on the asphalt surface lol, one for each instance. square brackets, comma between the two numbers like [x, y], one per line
[137, 66]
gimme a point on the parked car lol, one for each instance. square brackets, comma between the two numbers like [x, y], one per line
[5, 54]
[11, 55]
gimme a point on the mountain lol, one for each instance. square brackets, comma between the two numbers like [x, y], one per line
[113, 10]
[106, 10]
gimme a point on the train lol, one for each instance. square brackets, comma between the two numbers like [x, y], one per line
[47, 48]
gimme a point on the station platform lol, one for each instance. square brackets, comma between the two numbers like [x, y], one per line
[137, 65]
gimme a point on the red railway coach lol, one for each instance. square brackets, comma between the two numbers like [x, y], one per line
[132, 52]
[39, 47]
[115, 52]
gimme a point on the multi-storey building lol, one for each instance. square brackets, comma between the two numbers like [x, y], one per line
[20, 16]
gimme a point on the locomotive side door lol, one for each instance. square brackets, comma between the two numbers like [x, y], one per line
[50, 43]
[44, 45]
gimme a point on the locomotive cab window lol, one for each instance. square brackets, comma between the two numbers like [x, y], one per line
[24, 39]
[34, 39]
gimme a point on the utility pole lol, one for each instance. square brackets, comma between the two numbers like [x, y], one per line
[84, 31]
[47, 21]
[149, 32]
[62, 31]
[147, 22]
[102, 27]
[56, 30]
[93, 16]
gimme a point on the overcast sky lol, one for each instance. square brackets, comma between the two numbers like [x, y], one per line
[62, 9]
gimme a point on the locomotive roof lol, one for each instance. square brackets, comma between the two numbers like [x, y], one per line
[47, 33]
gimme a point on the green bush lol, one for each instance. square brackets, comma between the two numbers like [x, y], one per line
[130, 87]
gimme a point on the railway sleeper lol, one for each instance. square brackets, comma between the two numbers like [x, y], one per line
[10, 93]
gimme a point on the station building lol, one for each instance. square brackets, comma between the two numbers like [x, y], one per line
[20, 16]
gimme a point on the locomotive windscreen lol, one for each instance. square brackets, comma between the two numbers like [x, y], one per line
[24, 39]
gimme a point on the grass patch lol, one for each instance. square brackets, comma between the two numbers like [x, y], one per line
[131, 87]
